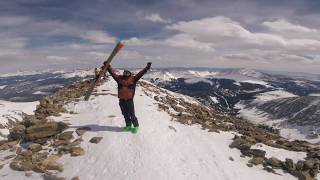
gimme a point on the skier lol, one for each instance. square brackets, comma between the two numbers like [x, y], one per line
[126, 90]
[96, 72]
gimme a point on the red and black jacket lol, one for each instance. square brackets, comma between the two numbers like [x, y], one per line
[126, 84]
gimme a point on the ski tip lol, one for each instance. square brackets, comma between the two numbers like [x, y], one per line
[121, 45]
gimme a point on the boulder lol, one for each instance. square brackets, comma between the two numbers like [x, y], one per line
[274, 162]
[21, 165]
[45, 130]
[39, 169]
[308, 164]
[75, 178]
[3, 142]
[25, 153]
[39, 157]
[253, 152]
[76, 142]
[48, 176]
[240, 143]
[30, 120]
[60, 143]
[289, 165]
[95, 140]
[299, 165]
[17, 132]
[257, 160]
[66, 135]
[34, 147]
[77, 151]
[304, 175]
[8, 145]
[51, 163]
[28, 174]
[258, 152]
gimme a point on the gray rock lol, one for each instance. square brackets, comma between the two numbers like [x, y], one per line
[258, 152]
[299, 165]
[257, 160]
[17, 132]
[289, 165]
[66, 135]
[240, 144]
[77, 151]
[45, 130]
[52, 177]
[21, 165]
[34, 147]
[95, 140]
[274, 162]
[25, 153]
[28, 174]
[8, 145]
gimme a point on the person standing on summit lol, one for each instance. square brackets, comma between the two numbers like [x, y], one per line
[126, 90]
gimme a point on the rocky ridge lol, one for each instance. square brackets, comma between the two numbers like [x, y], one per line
[189, 113]
[37, 143]
[49, 140]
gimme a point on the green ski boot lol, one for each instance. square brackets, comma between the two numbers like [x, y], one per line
[135, 130]
[127, 129]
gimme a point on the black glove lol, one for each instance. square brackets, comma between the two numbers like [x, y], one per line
[148, 65]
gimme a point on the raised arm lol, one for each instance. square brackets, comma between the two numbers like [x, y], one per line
[113, 74]
[142, 72]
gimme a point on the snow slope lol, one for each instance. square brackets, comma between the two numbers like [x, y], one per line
[157, 152]
[163, 150]
[12, 111]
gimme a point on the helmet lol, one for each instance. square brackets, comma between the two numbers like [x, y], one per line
[126, 72]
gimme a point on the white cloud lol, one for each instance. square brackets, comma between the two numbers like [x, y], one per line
[186, 41]
[282, 25]
[223, 30]
[208, 42]
[59, 58]
[98, 37]
[134, 41]
[156, 18]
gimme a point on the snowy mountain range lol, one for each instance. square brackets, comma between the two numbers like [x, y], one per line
[288, 99]
[230, 91]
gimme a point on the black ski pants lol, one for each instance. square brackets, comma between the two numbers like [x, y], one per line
[127, 109]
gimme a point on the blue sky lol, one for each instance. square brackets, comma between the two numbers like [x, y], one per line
[65, 34]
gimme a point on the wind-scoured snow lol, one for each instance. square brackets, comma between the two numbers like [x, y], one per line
[291, 132]
[314, 94]
[2, 87]
[11, 111]
[280, 154]
[203, 73]
[214, 99]
[197, 80]
[256, 82]
[271, 95]
[40, 92]
[163, 149]
[78, 73]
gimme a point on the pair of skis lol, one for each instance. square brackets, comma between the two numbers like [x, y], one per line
[105, 67]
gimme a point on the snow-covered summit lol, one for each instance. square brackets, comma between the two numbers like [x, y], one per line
[163, 149]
